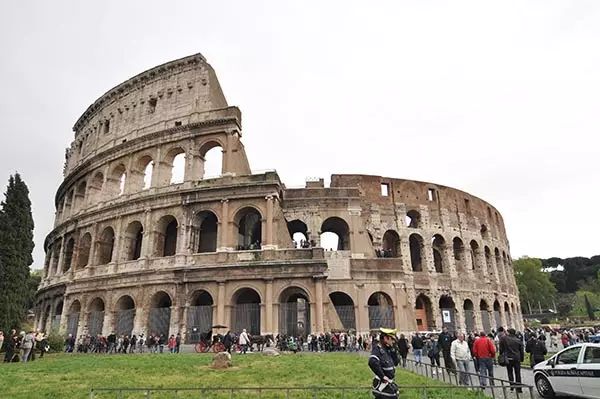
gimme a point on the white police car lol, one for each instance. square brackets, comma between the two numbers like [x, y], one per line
[572, 371]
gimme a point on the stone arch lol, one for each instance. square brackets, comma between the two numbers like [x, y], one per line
[46, 316]
[83, 250]
[96, 316]
[159, 317]
[69, 249]
[165, 243]
[125, 315]
[474, 255]
[105, 246]
[69, 207]
[485, 233]
[413, 219]
[339, 228]
[73, 315]
[132, 241]
[508, 315]
[416, 245]
[469, 311]
[80, 192]
[58, 310]
[391, 244]
[56, 249]
[497, 314]
[199, 315]
[485, 316]
[298, 233]
[246, 311]
[343, 305]
[381, 311]
[144, 169]
[294, 311]
[498, 260]
[488, 260]
[95, 188]
[448, 311]
[117, 180]
[248, 222]
[458, 250]
[212, 159]
[205, 232]
[175, 162]
[438, 247]
[424, 313]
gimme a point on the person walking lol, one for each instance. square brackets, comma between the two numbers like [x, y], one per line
[26, 346]
[432, 350]
[9, 346]
[536, 349]
[417, 344]
[383, 362]
[445, 341]
[461, 356]
[511, 348]
[485, 352]
[244, 341]
[403, 348]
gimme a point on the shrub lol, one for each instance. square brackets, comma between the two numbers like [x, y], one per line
[56, 341]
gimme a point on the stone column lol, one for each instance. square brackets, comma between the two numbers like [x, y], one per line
[175, 318]
[139, 321]
[64, 317]
[116, 254]
[362, 311]
[224, 226]
[268, 242]
[61, 257]
[437, 312]
[269, 327]
[183, 322]
[221, 304]
[147, 234]
[319, 303]
[355, 224]
[193, 164]
[108, 325]
[226, 165]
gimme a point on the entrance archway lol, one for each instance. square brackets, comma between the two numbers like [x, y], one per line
[497, 315]
[200, 315]
[468, 309]
[159, 319]
[424, 313]
[485, 316]
[73, 318]
[205, 232]
[249, 232]
[96, 317]
[294, 312]
[125, 310]
[381, 311]
[246, 311]
[448, 310]
[344, 308]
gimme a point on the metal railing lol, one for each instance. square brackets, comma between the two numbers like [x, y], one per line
[494, 387]
[406, 392]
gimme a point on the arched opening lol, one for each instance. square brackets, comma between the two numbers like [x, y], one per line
[204, 232]
[508, 315]
[424, 313]
[298, 233]
[469, 315]
[448, 309]
[381, 311]
[68, 254]
[117, 180]
[96, 317]
[246, 311]
[336, 227]
[83, 256]
[56, 248]
[344, 309]
[497, 315]
[80, 195]
[391, 245]
[514, 316]
[475, 255]
[458, 250]
[488, 260]
[212, 160]
[58, 309]
[415, 242]
[73, 318]
[144, 171]
[413, 219]
[249, 224]
[125, 315]
[294, 312]
[485, 316]
[166, 236]
[178, 169]
[45, 317]
[132, 241]
[68, 203]
[159, 318]
[95, 189]
[484, 232]
[438, 245]
[105, 246]
[200, 315]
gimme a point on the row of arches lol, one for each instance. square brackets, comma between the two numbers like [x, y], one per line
[161, 240]
[144, 172]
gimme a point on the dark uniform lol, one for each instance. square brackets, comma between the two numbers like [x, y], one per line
[383, 361]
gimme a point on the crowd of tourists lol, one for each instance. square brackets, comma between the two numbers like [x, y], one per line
[114, 343]
[22, 347]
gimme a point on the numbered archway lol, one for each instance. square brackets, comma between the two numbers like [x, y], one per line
[381, 311]
[294, 312]
[245, 313]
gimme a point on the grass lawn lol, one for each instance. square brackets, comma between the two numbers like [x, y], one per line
[63, 376]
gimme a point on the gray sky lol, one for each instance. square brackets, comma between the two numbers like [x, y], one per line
[499, 99]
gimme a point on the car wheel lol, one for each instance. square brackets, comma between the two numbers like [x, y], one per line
[543, 387]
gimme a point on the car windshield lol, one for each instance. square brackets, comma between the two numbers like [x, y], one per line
[569, 356]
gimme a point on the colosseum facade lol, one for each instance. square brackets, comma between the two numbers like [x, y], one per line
[136, 248]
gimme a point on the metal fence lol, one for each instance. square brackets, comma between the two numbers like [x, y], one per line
[495, 387]
[406, 392]
[247, 315]
[95, 322]
[381, 316]
[199, 320]
[160, 319]
[72, 324]
[125, 321]
[346, 315]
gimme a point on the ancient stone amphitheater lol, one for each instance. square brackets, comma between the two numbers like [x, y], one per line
[138, 248]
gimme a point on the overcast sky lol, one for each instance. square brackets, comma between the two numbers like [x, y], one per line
[499, 99]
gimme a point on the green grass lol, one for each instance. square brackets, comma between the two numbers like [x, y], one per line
[63, 376]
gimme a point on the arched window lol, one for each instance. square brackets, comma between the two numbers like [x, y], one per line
[166, 236]
[85, 244]
[56, 248]
[132, 241]
[68, 254]
[458, 250]
[499, 263]
[249, 229]
[488, 260]
[484, 232]
[298, 233]
[438, 245]
[80, 195]
[485, 316]
[211, 155]
[413, 219]
[95, 189]
[117, 180]
[332, 228]
[391, 245]
[497, 315]
[106, 245]
[144, 169]
[475, 255]
[73, 318]
[205, 232]
[416, 250]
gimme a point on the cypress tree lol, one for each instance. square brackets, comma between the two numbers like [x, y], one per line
[16, 246]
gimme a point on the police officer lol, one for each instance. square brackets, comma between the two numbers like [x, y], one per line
[382, 362]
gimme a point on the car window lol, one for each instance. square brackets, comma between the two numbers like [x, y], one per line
[569, 356]
[592, 355]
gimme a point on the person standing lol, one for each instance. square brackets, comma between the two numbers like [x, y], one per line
[403, 349]
[9, 345]
[27, 344]
[432, 350]
[417, 344]
[485, 352]
[445, 341]
[461, 356]
[383, 362]
[511, 348]
[244, 341]
[1, 340]
[177, 342]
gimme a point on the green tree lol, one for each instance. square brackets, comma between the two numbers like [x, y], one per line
[16, 246]
[534, 284]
